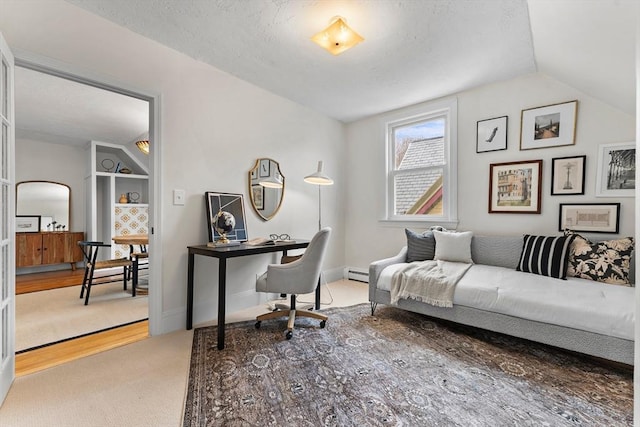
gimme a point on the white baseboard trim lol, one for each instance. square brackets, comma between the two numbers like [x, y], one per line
[356, 273]
[333, 275]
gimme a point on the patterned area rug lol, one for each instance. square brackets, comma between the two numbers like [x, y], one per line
[395, 368]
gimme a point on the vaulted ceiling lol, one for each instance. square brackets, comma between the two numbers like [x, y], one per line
[413, 50]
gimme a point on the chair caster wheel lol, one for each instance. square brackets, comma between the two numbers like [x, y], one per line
[323, 323]
[288, 335]
[258, 323]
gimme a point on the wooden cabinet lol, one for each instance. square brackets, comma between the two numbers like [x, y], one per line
[45, 248]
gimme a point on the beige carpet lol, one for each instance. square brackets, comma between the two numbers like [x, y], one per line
[49, 316]
[142, 384]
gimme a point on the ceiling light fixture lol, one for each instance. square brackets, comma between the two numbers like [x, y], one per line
[337, 37]
[143, 146]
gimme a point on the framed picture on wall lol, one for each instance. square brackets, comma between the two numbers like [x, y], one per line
[265, 168]
[491, 134]
[590, 217]
[258, 196]
[226, 202]
[27, 223]
[515, 187]
[567, 175]
[548, 126]
[616, 170]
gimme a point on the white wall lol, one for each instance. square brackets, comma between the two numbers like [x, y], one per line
[369, 239]
[41, 161]
[213, 127]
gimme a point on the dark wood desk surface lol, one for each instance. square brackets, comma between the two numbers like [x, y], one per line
[223, 253]
[244, 250]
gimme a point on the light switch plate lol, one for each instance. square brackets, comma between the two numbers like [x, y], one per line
[178, 197]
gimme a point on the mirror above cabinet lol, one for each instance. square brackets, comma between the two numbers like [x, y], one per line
[51, 201]
[266, 188]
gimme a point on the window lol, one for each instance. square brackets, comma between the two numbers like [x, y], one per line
[421, 171]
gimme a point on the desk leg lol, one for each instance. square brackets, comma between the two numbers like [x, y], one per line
[318, 293]
[222, 279]
[190, 292]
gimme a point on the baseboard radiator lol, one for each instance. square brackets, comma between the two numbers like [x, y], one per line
[358, 274]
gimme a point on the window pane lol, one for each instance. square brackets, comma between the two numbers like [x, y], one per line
[419, 193]
[5, 272]
[4, 161]
[4, 213]
[5, 333]
[419, 144]
[4, 91]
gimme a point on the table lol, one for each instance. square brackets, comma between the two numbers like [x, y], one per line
[223, 253]
[132, 240]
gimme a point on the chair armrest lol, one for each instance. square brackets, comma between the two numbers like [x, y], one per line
[376, 267]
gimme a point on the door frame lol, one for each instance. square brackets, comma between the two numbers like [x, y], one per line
[8, 239]
[56, 68]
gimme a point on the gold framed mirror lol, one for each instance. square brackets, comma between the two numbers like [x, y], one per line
[266, 188]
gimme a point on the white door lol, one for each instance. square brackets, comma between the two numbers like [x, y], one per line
[7, 231]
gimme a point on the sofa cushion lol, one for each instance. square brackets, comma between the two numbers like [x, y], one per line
[420, 247]
[574, 303]
[545, 255]
[501, 251]
[453, 247]
[607, 261]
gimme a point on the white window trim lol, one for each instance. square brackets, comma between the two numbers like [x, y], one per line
[448, 107]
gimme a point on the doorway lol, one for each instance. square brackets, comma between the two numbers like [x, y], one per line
[66, 138]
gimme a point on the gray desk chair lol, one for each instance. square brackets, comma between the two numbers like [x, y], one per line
[297, 277]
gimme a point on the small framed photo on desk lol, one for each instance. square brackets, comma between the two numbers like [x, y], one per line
[228, 203]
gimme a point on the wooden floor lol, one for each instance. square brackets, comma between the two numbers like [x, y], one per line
[57, 354]
[26, 283]
[52, 355]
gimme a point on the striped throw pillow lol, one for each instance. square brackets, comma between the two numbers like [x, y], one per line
[545, 255]
[420, 247]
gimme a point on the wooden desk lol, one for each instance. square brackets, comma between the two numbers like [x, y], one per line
[132, 240]
[223, 253]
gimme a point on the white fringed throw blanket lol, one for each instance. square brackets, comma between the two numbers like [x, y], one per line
[432, 282]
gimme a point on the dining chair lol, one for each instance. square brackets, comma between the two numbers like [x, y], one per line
[140, 261]
[90, 250]
[297, 277]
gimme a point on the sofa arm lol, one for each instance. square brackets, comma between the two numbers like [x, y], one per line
[376, 267]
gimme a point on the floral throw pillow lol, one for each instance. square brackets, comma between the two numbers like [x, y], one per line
[607, 261]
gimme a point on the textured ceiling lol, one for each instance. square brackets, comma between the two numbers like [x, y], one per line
[56, 110]
[413, 50]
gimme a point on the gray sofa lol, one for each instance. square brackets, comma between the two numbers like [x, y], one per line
[503, 253]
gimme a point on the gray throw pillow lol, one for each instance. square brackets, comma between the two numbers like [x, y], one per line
[420, 247]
